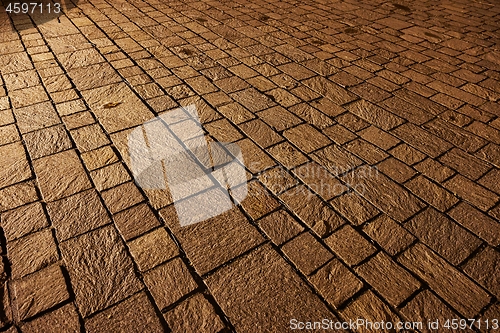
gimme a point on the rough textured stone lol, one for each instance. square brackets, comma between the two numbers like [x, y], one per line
[472, 192]
[383, 193]
[121, 197]
[101, 274]
[116, 118]
[152, 249]
[261, 133]
[17, 195]
[453, 286]
[477, 222]
[135, 221]
[14, 166]
[99, 158]
[109, 176]
[483, 268]
[77, 214]
[374, 115]
[389, 234]
[432, 227]
[356, 209]
[425, 306]
[60, 175]
[39, 292]
[259, 289]
[311, 210]
[279, 118]
[32, 252]
[280, 226]
[23, 220]
[194, 315]
[350, 246]
[392, 281]
[306, 253]
[47, 141]
[434, 194]
[320, 180]
[213, 242]
[306, 138]
[336, 283]
[136, 313]
[64, 319]
[258, 201]
[169, 282]
[370, 308]
[421, 139]
[287, 155]
[89, 137]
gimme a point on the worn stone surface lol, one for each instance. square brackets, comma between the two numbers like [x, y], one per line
[306, 253]
[169, 282]
[220, 234]
[23, 220]
[60, 175]
[388, 234]
[194, 315]
[64, 319]
[392, 281]
[77, 214]
[136, 311]
[369, 307]
[336, 283]
[39, 292]
[350, 246]
[449, 283]
[14, 166]
[32, 252]
[152, 249]
[370, 140]
[47, 141]
[431, 227]
[102, 274]
[270, 292]
[280, 226]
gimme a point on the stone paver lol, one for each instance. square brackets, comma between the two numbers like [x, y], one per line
[370, 137]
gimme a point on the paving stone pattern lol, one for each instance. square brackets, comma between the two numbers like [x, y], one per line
[370, 132]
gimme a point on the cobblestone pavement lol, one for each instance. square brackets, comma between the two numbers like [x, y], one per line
[371, 135]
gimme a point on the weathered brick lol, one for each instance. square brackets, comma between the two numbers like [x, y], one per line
[483, 269]
[421, 139]
[64, 319]
[280, 226]
[311, 210]
[32, 252]
[219, 234]
[306, 138]
[464, 163]
[388, 234]
[336, 283]
[383, 193]
[21, 221]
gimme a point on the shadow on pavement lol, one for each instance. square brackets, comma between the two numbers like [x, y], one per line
[21, 12]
